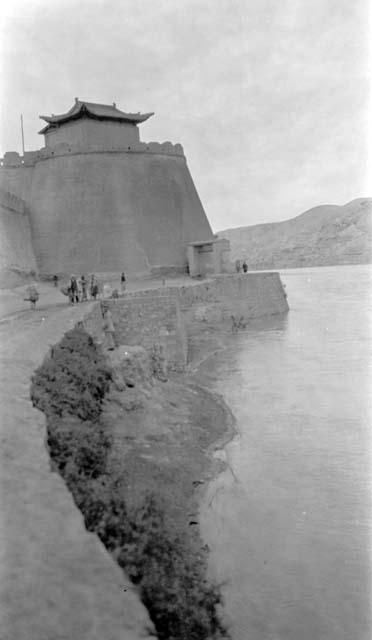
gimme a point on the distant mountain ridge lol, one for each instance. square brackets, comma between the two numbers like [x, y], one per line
[325, 235]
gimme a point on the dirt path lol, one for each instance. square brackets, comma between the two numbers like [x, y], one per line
[57, 581]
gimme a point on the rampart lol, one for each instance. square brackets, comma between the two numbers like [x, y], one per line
[163, 316]
[16, 253]
[107, 209]
[147, 318]
[12, 159]
[248, 295]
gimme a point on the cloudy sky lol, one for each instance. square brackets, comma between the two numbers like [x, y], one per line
[269, 99]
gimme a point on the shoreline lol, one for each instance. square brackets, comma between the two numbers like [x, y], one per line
[152, 451]
[170, 441]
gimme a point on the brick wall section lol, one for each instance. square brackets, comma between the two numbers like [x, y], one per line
[248, 295]
[162, 315]
[146, 318]
[254, 293]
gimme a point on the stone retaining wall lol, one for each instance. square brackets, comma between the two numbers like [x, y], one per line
[161, 316]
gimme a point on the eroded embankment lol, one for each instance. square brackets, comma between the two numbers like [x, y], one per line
[133, 450]
[57, 580]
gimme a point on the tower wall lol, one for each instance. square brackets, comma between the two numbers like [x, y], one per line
[94, 210]
[86, 132]
[17, 180]
[109, 211]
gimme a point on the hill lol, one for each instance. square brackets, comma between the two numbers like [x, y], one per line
[324, 235]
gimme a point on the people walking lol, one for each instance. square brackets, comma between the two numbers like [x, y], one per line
[55, 281]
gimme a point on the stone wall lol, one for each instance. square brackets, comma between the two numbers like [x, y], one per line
[108, 211]
[16, 253]
[162, 316]
[146, 318]
[251, 295]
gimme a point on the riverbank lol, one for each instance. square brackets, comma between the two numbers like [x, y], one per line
[165, 436]
[172, 430]
[57, 580]
[290, 529]
[135, 453]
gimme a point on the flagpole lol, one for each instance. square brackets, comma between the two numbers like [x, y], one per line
[23, 137]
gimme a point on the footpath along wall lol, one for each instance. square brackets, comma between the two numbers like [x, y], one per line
[57, 580]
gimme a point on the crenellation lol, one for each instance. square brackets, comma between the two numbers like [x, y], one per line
[12, 159]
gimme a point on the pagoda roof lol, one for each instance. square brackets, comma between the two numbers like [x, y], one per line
[96, 112]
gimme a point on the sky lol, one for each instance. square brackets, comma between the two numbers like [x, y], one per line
[270, 100]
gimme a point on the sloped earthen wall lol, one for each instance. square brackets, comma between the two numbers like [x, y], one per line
[16, 252]
[113, 211]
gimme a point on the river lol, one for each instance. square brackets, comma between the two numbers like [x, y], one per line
[289, 522]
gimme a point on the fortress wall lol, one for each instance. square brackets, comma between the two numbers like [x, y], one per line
[148, 318]
[163, 315]
[113, 211]
[17, 180]
[133, 209]
[16, 253]
[168, 209]
[249, 295]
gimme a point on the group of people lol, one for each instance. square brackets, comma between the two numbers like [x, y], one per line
[241, 266]
[78, 288]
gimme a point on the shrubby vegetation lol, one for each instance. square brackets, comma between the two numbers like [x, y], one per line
[73, 379]
[171, 578]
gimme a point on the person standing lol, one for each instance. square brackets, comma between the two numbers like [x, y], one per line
[123, 281]
[237, 266]
[93, 287]
[33, 295]
[74, 290]
[108, 328]
[84, 286]
[245, 266]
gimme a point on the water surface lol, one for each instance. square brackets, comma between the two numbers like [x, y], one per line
[289, 524]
